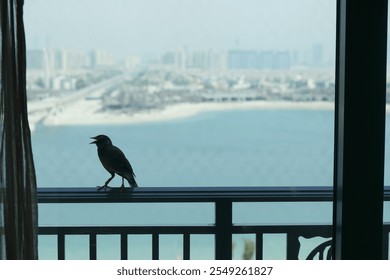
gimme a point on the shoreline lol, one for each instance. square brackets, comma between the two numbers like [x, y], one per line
[89, 112]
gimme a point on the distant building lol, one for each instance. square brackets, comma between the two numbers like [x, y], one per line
[101, 58]
[168, 58]
[313, 57]
[203, 59]
[36, 59]
[248, 59]
[175, 59]
[281, 60]
[210, 59]
[317, 55]
[218, 60]
[64, 60]
[180, 59]
[132, 62]
[242, 59]
[38, 66]
[199, 60]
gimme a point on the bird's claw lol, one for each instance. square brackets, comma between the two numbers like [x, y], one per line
[99, 188]
[122, 189]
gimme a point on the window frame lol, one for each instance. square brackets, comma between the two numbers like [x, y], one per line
[360, 112]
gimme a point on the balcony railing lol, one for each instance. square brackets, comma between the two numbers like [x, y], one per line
[222, 229]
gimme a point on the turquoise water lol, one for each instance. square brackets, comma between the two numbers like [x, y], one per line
[230, 148]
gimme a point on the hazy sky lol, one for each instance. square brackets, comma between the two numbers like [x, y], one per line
[134, 27]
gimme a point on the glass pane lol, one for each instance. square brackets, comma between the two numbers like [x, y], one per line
[244, 247]
[108, 247]
[126, 214]
[283, 213]
[202, 247]
[77, 247]
[222, 93]
[195, 93]
[171, 247]
[274, 247]
[47, 247]
[139, 247]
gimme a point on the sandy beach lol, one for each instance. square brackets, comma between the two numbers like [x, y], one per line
[89, 112]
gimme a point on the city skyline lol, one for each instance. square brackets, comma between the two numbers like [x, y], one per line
[181, 59]
[150, 27]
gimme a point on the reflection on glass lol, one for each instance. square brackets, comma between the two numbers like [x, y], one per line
[244, 247]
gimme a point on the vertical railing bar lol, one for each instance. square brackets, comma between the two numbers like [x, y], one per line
[155, 246]
[61, 246]
[223, 229]
[259, 246]
[293, 246]
[385, 244]
[92, 246]
[186, 246]
[124, 242]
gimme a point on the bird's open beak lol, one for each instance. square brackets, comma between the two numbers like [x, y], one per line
[93, 142]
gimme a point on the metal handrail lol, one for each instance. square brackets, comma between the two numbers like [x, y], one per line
[189, 194]
[184, 194]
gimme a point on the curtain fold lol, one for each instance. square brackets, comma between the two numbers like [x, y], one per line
[18, 202]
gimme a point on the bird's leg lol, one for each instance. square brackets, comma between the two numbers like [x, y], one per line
[105, 186]
[122, 189]
[109, 179]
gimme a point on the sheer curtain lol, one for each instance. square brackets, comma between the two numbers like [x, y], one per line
[18, 202]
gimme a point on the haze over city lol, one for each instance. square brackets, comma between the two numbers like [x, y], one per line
[152, 27]
[125, 57]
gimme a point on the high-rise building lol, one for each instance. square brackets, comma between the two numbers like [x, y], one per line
[180, 59]
[317, 55]
[63, 60]
[243, 59]
[132, 62]
[202, 59]
[101, 58]
[38, 62]
[208, 59]
[36, 59]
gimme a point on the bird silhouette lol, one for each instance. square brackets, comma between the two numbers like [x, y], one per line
[114, 161]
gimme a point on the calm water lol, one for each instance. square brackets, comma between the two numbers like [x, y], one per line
[231, 148]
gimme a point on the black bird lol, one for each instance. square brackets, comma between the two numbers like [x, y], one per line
[114, 161]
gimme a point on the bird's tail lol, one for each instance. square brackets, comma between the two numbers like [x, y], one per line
[131, 180]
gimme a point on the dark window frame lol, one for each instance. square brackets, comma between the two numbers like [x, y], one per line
[361, 49]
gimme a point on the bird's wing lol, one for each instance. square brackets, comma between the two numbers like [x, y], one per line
[121, 160]
[114, 160]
